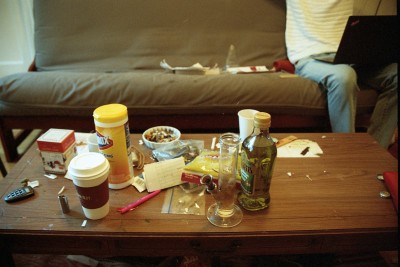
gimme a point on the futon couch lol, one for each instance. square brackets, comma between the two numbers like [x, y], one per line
[94, 52]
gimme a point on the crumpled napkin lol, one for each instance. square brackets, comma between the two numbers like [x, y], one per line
[196, 68]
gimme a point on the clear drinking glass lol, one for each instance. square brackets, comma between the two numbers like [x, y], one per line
[225, 213]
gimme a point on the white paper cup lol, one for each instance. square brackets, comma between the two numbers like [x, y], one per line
[246, 122]
[92, 144]
[89, 172]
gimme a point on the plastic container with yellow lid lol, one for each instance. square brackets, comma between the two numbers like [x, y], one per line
[112, 131]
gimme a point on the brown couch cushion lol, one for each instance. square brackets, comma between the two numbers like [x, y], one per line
[156, 92]
[113, 36]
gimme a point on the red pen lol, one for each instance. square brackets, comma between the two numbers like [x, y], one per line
[138, 202]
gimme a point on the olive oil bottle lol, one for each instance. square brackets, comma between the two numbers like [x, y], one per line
[257, 165]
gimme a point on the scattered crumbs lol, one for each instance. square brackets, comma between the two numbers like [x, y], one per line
[33, 184]
[140, 142]
[50, 176]
[325, 172]
[49, 227]
[80, 142]
[61, 190]
[289, 174]
[384, 194]
[83, 225]
[323, 137]
[308, 177]
[139, 183]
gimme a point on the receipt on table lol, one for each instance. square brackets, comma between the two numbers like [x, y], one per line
[300, 148]
[163, 174]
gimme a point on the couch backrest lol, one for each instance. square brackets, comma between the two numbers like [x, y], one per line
[121, 35]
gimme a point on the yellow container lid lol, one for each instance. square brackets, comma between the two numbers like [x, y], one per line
[110, 113]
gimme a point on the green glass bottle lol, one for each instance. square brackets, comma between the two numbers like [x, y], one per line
[257, 165]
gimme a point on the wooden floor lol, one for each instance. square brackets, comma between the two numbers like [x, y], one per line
[382, 259]
[24, 146]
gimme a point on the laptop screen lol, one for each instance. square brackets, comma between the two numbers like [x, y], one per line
[369, 40]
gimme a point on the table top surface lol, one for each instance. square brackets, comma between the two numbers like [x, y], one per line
[337, 192]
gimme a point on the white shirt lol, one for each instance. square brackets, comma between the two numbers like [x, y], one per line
[315, 27]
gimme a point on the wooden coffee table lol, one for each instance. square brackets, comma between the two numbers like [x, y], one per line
[328, 204]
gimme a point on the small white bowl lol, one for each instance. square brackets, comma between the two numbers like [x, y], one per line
[166, 135]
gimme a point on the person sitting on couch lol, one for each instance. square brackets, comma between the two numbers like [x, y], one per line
[316, 27]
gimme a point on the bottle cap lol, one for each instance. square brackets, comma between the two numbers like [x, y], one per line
[262, 120]
[88, 165]
[110, 113]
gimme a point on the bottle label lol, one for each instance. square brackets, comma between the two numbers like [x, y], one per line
[114, 144]
[104, 142]
[247, 174]
[255, 175]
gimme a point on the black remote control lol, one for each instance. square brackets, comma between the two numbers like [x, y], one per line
[19, 194]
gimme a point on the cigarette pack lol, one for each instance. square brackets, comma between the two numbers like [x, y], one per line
[57, 162]
[56, 140]
[57, 148]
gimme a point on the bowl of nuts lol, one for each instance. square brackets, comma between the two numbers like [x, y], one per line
[160, 136]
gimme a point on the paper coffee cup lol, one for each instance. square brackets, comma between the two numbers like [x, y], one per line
[246, 122]
[89, 172]
[92, 144]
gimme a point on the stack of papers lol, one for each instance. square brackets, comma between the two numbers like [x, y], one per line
[250, 69]
[194, 69]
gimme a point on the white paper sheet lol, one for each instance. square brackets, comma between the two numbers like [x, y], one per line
[163, 174]
[300, 148]
[196, 68]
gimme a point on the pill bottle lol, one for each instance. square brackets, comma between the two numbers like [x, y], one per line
[112, 130]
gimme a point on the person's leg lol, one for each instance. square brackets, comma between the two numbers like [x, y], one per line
[384, 118]
[340, 83]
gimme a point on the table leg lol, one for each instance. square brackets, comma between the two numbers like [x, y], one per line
[6, 258]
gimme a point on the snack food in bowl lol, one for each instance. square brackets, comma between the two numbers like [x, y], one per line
[159, 136]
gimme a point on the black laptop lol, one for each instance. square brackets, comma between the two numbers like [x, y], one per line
[367, 40]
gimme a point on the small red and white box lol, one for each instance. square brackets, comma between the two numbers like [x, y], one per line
[57, 148]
